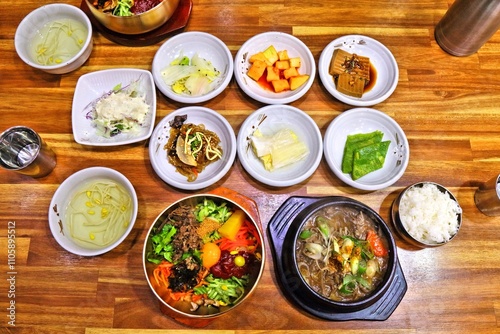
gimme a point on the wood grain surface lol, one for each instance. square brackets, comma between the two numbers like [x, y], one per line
[449, 108]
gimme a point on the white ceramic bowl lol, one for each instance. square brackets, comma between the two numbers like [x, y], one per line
[381, 59]
[188, 44]
[365, 120]
[214, 122]
[269, 120]
[64, 194]
[281, 41]
[32, 25]
[94, 85]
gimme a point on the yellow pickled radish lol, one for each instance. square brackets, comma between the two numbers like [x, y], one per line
[231, 227]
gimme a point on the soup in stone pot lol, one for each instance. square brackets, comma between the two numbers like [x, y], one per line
[341, 253]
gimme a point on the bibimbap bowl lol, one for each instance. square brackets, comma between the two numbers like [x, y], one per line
[140, 23]
[336, 231]
[219, 263]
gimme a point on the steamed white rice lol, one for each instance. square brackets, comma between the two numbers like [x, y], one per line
[428, 214]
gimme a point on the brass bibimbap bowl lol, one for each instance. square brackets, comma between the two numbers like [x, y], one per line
[184, 309]
[136, 24]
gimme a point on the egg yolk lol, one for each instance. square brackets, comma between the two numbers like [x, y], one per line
[210, 254]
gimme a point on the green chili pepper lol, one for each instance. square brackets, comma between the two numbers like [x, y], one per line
[305, 234]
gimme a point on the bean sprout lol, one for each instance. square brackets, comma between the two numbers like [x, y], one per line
[99, 214]
[61, 42]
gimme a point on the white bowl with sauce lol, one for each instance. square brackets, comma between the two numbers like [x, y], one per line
[89, 241]
[213, 172]
[36, 32]
[381, 59]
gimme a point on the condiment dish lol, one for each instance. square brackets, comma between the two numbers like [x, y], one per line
[82, 181]
[35, 31]
[189, 44]
[281, 41]
[382, 60]
[424, 201]
[366, 120]
[213, 172]
[269, 120]
[92, 86]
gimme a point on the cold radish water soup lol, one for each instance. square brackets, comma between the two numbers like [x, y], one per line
[341, 254]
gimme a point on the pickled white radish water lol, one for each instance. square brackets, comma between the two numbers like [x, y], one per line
[58, 41]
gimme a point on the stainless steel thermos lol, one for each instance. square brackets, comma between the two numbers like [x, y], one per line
[467, 25]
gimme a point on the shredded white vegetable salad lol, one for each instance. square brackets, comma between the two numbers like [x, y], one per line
[195, 77]
[123, 109]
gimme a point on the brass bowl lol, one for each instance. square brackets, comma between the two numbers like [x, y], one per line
[136, 24]
[181, 310]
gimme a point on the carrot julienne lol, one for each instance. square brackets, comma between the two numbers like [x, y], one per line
[162, 272]
[180, 295]
[247, 237]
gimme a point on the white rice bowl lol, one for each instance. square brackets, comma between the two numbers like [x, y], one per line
[429, 215]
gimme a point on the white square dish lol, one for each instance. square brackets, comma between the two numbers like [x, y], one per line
[92, 86]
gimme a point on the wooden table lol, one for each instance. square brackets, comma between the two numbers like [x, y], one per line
[448, 106]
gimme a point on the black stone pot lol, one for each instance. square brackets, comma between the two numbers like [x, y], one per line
[283, 231]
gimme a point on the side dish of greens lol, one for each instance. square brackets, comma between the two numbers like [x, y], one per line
[364, 153]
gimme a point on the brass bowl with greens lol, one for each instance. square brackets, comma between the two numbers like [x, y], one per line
[132, 17]
[203, 256]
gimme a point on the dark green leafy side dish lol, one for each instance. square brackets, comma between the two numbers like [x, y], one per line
[364, 153]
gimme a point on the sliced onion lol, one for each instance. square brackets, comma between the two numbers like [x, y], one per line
[313, 250]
